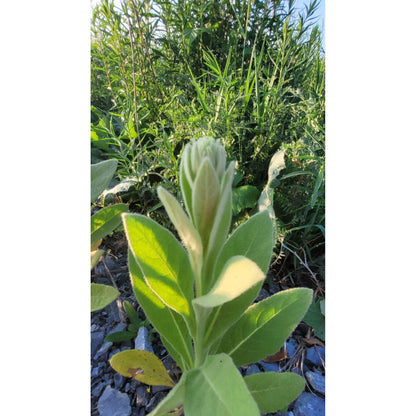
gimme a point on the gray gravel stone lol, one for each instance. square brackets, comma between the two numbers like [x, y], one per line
[270, 366]
[316, 380]
[96, 391]
[291, 347]
[142, 396]
[307, 404]
[119, 327]
[119, 381]
[156, 389]
[316, 355]
[96, 340]
[252, 369]
[142, 340]
[95, 372]
[114, 403]
[155, 400]
[263, 294]
[103, 351]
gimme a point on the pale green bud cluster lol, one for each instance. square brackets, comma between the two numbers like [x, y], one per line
[206, 180]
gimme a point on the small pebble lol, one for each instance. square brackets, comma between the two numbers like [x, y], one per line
[316, 380]
[263, 294]
[291, 347]
[103, 351]
[96, 340]
[252, 369]
[95, 372]
[114, 403]
[155, 400]
[307, 404]
[270, 366]
[316, 355]
[96, 391]
[142, 340]
[142, 396]
[119, 381]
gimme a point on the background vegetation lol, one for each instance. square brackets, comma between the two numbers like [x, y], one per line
[249, 72]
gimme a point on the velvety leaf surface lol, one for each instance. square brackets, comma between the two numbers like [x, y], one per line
[102, 295]
[265, 326]
[106, 220]
[187, 232]
[217, 388]
[143, 366]
[166, 321]
[163, 261]
[101, 174]
[274, 391]
[95, 257]
[205, 197]
[239, 275]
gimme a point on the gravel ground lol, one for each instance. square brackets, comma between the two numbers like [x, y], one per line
[115, 395]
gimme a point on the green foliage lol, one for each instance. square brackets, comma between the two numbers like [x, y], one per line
[101, 296]
[315, 317]
[252, 73]
[198, 295]
[133, 328]
[103, 223]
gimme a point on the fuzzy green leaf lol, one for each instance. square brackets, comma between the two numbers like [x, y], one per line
[187, 232]
[205, 196]
[119, 336]
[102, 295]
[274, 391]
[106, 220]
[101, 174]
[164, 263]
[265, 326]
[217, 388]
[166, 321]
[238, 276]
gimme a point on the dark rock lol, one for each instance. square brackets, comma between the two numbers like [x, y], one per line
[118, 328]
[142, 396]
[307, 404]
[270, 366]
[252, 369]
[155, 400]
[291, 347]
[316, 380]
[156, 389]
[94, 327]
[119, 381]
[114, 403]
[300, 371]
[103, 351]
[95, 372]
[316, 356]
[96, 391]
[96, 340]
[263, 294]
[142, 340]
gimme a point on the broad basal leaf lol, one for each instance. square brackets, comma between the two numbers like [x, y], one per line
[164, 263]
[143, 366]
[106, 220]
[265, 326]
[274, 391]
[217, 388]
[101, 174]
[170, 325]
[102, 295]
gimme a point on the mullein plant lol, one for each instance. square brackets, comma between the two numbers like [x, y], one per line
[199, 296]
